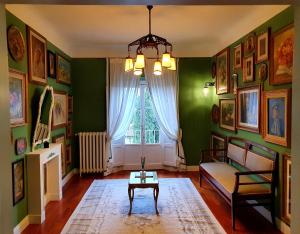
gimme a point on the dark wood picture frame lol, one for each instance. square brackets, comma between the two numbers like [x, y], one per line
[62, 139]
[32, 33]
[265, 35]
[20, 145]
[18, 180]
[273, 80]
[238, 48]
[219, 137]
[246, 77]
[221, 123]
[250, 44]
[240, 125]
[275, 94]
[224, 52]
[63, 124]
[51, 66]
[286, 191]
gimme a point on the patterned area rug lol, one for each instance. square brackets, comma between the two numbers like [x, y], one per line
[104, 209]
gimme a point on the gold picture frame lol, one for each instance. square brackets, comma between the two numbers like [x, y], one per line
[223, 71]
[238, 56]
[262, 48]
[248, 69]
[228, 114]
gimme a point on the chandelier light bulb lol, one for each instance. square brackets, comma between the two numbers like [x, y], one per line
[173, 64]
[137, 71]
[128, 64]
[157, 68]
[140, 61]
[166, 60]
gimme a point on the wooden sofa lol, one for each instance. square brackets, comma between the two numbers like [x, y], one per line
[255, 178]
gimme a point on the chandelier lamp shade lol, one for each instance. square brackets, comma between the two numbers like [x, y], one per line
[150, 41]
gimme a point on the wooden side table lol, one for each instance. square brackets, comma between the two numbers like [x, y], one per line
[135, 181]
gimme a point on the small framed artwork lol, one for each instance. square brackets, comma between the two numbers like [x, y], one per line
[63, 70]
[248, 105]
[282, 56]
[62, 140]
[70, 104]
[15, 43]
[238, 56]
[215, 113]
[18, 181]
[60, 110]
[263, 72]
[20, 146]
[286, 196]
[262, 49]
[276, 117]
[248, 69]
[51, 64]
[37, 57]
[234, 80]
[18, 98]
[69, 129]
[223, 71]
[250, 44]
[217, 142]
[228, 114]
[68, 155]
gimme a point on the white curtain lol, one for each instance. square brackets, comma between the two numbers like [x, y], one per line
[122, 91]
[164, 92]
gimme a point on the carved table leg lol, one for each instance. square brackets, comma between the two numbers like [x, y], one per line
[155, 193]
[130, 195]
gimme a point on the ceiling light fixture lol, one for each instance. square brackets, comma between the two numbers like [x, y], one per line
[151, 41]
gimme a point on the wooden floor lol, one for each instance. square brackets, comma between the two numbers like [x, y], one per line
[58, 213]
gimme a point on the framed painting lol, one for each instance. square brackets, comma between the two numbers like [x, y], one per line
[238, 56]
[68, 155]
[223, 71]
[37, 57]
[215, 113]
[20, 146]
[18, 98]
[250, 44]
[63, 70]
[286, 192]
[263, 72]
[276, 117]
[262, 49]
[282, 56]
[60, 110]
[15, 43]
[18, 181]
[217, 142]
[234, 81]
[51, 64]
[248, 105]
[62, 140]
[248, 69]
[228, 114]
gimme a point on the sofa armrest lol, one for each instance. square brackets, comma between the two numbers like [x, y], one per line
[207, 155]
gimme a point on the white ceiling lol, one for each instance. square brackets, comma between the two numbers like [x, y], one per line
[105, 31]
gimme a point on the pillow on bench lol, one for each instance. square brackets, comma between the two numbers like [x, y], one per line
[236, 153]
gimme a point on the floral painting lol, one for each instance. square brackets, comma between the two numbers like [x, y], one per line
[282, 60]
[17, 96]
[63, 70]
[223, 71]
[60, 110]
[227, 114]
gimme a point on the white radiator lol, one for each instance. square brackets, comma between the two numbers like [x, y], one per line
[92, 151]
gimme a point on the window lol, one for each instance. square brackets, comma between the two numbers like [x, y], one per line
[144, 128]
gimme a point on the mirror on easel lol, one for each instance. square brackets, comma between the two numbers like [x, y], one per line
[42, 129]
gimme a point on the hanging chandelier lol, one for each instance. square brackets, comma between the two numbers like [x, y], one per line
[153, 42]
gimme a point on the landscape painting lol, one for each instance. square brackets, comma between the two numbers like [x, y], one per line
[63, 70]
[228, 114]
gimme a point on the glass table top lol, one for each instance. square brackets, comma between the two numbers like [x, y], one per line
[151, 178]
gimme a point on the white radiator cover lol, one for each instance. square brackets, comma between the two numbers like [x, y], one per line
[92, 152]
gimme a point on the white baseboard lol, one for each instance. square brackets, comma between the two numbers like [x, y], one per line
[21, 226]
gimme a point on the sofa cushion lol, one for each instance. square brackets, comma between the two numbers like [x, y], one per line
[256, 162]
[224, 175]
[236, 153]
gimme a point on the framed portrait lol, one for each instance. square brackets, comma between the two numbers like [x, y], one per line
[263, 72]
[262, 49]
[248, 69]
[70, 104]
[250, 44]
[248, 105]
[15, 42]
[228, 114]
[238, 56]
[277, 119]
[223, 71]
[37, 56]
[69, 129]
[62, 140]
[20, 146]
[63, 70]
[18, 98]
[286, 192]
[68, 155]
[60, 110]
[217, 141]
[18, 181]
[282, 56]
[215, 113]
[51, 64]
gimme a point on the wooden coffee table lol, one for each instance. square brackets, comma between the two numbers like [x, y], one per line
[135, 181]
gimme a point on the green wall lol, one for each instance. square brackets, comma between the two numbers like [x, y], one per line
[277, 22]
[34, 90]
[194, 106]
